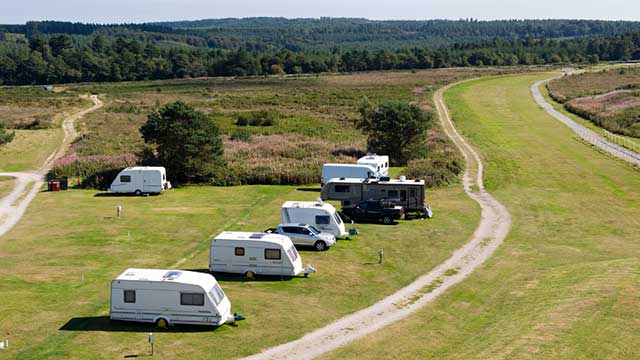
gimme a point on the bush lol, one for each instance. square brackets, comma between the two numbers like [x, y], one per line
[258, 118]
[435, 170]
[39, 123]
[243, 135]
[6, 136]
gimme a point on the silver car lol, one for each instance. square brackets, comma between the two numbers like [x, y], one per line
[307, 235]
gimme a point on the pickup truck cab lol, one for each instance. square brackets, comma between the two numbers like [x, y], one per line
[374, 211]
[305, 235]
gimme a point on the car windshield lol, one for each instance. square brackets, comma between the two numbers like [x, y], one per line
[217, 294]
[314, 229]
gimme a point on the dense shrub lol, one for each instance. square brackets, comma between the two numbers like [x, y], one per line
[94, 171]
[435, 170]
[258, 118]
[5, 135]
[243, 135]
[38, 123]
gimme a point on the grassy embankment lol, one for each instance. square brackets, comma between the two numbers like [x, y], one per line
[564, 285]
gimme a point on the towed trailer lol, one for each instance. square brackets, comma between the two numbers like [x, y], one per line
[410, 194]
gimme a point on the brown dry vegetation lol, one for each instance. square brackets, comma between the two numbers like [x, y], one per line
[315, 121]
[607, 98]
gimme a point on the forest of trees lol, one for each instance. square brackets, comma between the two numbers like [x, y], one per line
[40, 55]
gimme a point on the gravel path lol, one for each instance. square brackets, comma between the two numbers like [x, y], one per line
[28, 184]
[493, 228]
[582, 131]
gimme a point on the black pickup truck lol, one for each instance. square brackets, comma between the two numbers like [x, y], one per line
[374, 211]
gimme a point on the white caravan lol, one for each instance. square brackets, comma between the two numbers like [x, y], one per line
[378, 162]
[168, 297]
[337, 171]
[319, 214]
[255, 254]
[141, 180]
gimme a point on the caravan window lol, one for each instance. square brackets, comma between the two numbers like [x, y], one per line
[239, 251]
[125, 178]
[403, 195]
[191, 299]
[337, 217]
[392, 193]
[323, 220]
[272, 254]
[130, 296]
[217, 294]
[293, 253]
[343, 188]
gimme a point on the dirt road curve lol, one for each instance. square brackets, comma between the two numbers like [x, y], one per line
[13, 206]
[491, 231]
[583, 132]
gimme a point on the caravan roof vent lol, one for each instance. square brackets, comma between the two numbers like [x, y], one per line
[171, 275]
[403, 178]
[319, 202]
[257, 236]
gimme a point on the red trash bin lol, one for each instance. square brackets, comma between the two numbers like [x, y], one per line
[55, 186]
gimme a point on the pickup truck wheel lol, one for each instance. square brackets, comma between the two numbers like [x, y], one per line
[138, 193]
[320, 246]
[162, 323]
[387, 220]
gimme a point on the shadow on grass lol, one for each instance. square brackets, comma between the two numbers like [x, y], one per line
[104, 323]
[110, 194]
[241, 278]
[309, 189]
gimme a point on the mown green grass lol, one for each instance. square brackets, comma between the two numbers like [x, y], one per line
[6, 185]
[59, 261]
[29, 149]
[564, 284]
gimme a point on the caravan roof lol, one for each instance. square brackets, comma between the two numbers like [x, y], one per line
[258, 236]
[375, 181]
[205, 281]
[373, 158]
[309, 204]
[134, 168]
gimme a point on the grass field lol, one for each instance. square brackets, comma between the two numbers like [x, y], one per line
[314, 118]
[29, 149]
[564, 285]
[6, 185]
[58, 262]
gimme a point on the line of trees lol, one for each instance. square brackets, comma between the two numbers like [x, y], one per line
[62, 59]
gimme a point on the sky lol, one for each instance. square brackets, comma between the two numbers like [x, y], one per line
[119, 11]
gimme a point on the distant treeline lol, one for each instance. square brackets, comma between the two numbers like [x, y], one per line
[116, 54]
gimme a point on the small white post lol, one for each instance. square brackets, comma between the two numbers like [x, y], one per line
[151, 342]
[118, 210]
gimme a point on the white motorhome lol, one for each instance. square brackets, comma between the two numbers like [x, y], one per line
[168, 297]
[141, 180]
[319, 214]
[336, 171]
[379, 162]
[255, 254]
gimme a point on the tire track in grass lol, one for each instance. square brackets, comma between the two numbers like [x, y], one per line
[493, 228]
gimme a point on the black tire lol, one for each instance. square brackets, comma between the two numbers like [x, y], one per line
[320, 245]
[138, 193]
[249, 275]
[387, 220]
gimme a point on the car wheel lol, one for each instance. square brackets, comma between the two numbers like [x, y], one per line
[162, 323]
[138, 193]
[320, 246]
[387, 220]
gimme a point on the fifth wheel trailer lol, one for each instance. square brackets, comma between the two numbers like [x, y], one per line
[168, 297]
[410, 194]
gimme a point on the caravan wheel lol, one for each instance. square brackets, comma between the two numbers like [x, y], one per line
[138, 193]
[249, 275]
[162, 323]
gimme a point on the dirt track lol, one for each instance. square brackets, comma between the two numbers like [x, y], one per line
[13, 206]
[493, 228]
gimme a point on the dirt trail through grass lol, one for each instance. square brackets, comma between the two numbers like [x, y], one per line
[13, 206]
[583, 132]
[493, 228]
